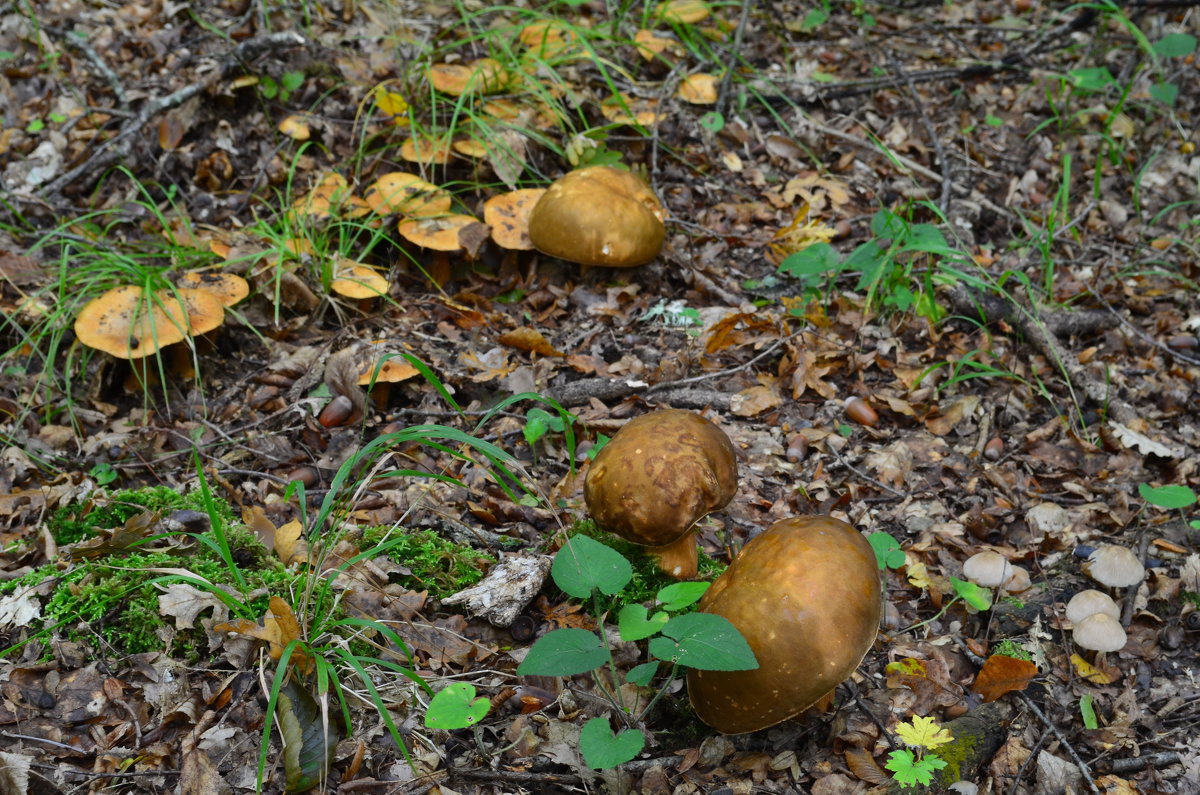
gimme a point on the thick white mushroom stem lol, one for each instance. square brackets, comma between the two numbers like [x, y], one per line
[679, 559]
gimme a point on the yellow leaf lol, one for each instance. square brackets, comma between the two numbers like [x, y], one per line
[390, 102]
[918, 574]
[1092, 674]
[923, 733]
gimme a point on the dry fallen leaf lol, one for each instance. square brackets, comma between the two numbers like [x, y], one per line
[528, 339]
[1001, 674]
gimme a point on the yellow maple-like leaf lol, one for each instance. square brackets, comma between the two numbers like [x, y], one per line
[918, 574]
[923, 733]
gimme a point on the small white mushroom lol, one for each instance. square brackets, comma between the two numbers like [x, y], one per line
[987, 569]
[1099, 632]
[1115, 567]
[1018, 581]
[1088, 603]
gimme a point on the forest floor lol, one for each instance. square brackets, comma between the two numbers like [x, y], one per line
[932, 268]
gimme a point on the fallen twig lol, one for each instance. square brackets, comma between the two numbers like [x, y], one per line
[117, 148]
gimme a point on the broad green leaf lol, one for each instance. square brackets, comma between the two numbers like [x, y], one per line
[456, 707]
[1175, 45]
[1170, 496]
[910, 771]
[888, 554]
[641, 675]
[817, 259]
[712, 121]
[634, 623]
[584, 563]
[535, 428]
[602, 749]
[1166, 93]
[564, 652]
[704, 641]
[1096, 78]
[977, 597]
[925, 237]
[681, 594]
[814, 19]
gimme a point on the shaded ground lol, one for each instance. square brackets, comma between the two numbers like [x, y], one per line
[1031, 365]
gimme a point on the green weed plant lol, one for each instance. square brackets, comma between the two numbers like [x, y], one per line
[586, 569]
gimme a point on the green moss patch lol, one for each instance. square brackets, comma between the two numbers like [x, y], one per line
[435, 564]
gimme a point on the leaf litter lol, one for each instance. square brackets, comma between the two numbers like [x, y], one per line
[987, 436]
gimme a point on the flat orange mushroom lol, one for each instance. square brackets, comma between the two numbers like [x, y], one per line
[408, 194]
[128, 324]
[229, 287]
[355, 280]
[508, 216]
[442, 233]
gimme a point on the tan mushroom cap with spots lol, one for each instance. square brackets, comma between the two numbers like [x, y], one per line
[125, 323]
[806, 596]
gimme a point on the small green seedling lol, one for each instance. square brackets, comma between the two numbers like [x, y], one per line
[585, 568]
[888, 554]
[1170, 497]
[911, 768]
[455, 707]
[288, 83]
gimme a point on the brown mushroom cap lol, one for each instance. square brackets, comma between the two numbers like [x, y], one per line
[1099, 632]
[125, 323]
[806, 596]
[1115, 566]
[599, 215]
[656, 477]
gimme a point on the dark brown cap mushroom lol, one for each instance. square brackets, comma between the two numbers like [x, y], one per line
[599, 215]
[657, 477]
[806, 596]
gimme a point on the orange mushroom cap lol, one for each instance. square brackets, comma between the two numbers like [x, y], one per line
[659, 475]
[806, 596]
[125, 323]
[355, 280]
[228, 287]
[599, 215]
[508, 216]
[401, 192]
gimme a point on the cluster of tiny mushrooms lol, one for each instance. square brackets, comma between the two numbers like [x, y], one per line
[1093, 615]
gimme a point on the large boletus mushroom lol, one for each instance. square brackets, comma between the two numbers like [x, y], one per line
[657, 476]
[805, 594]
[599, 215]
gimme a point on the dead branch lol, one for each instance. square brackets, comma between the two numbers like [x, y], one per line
[117, 148]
